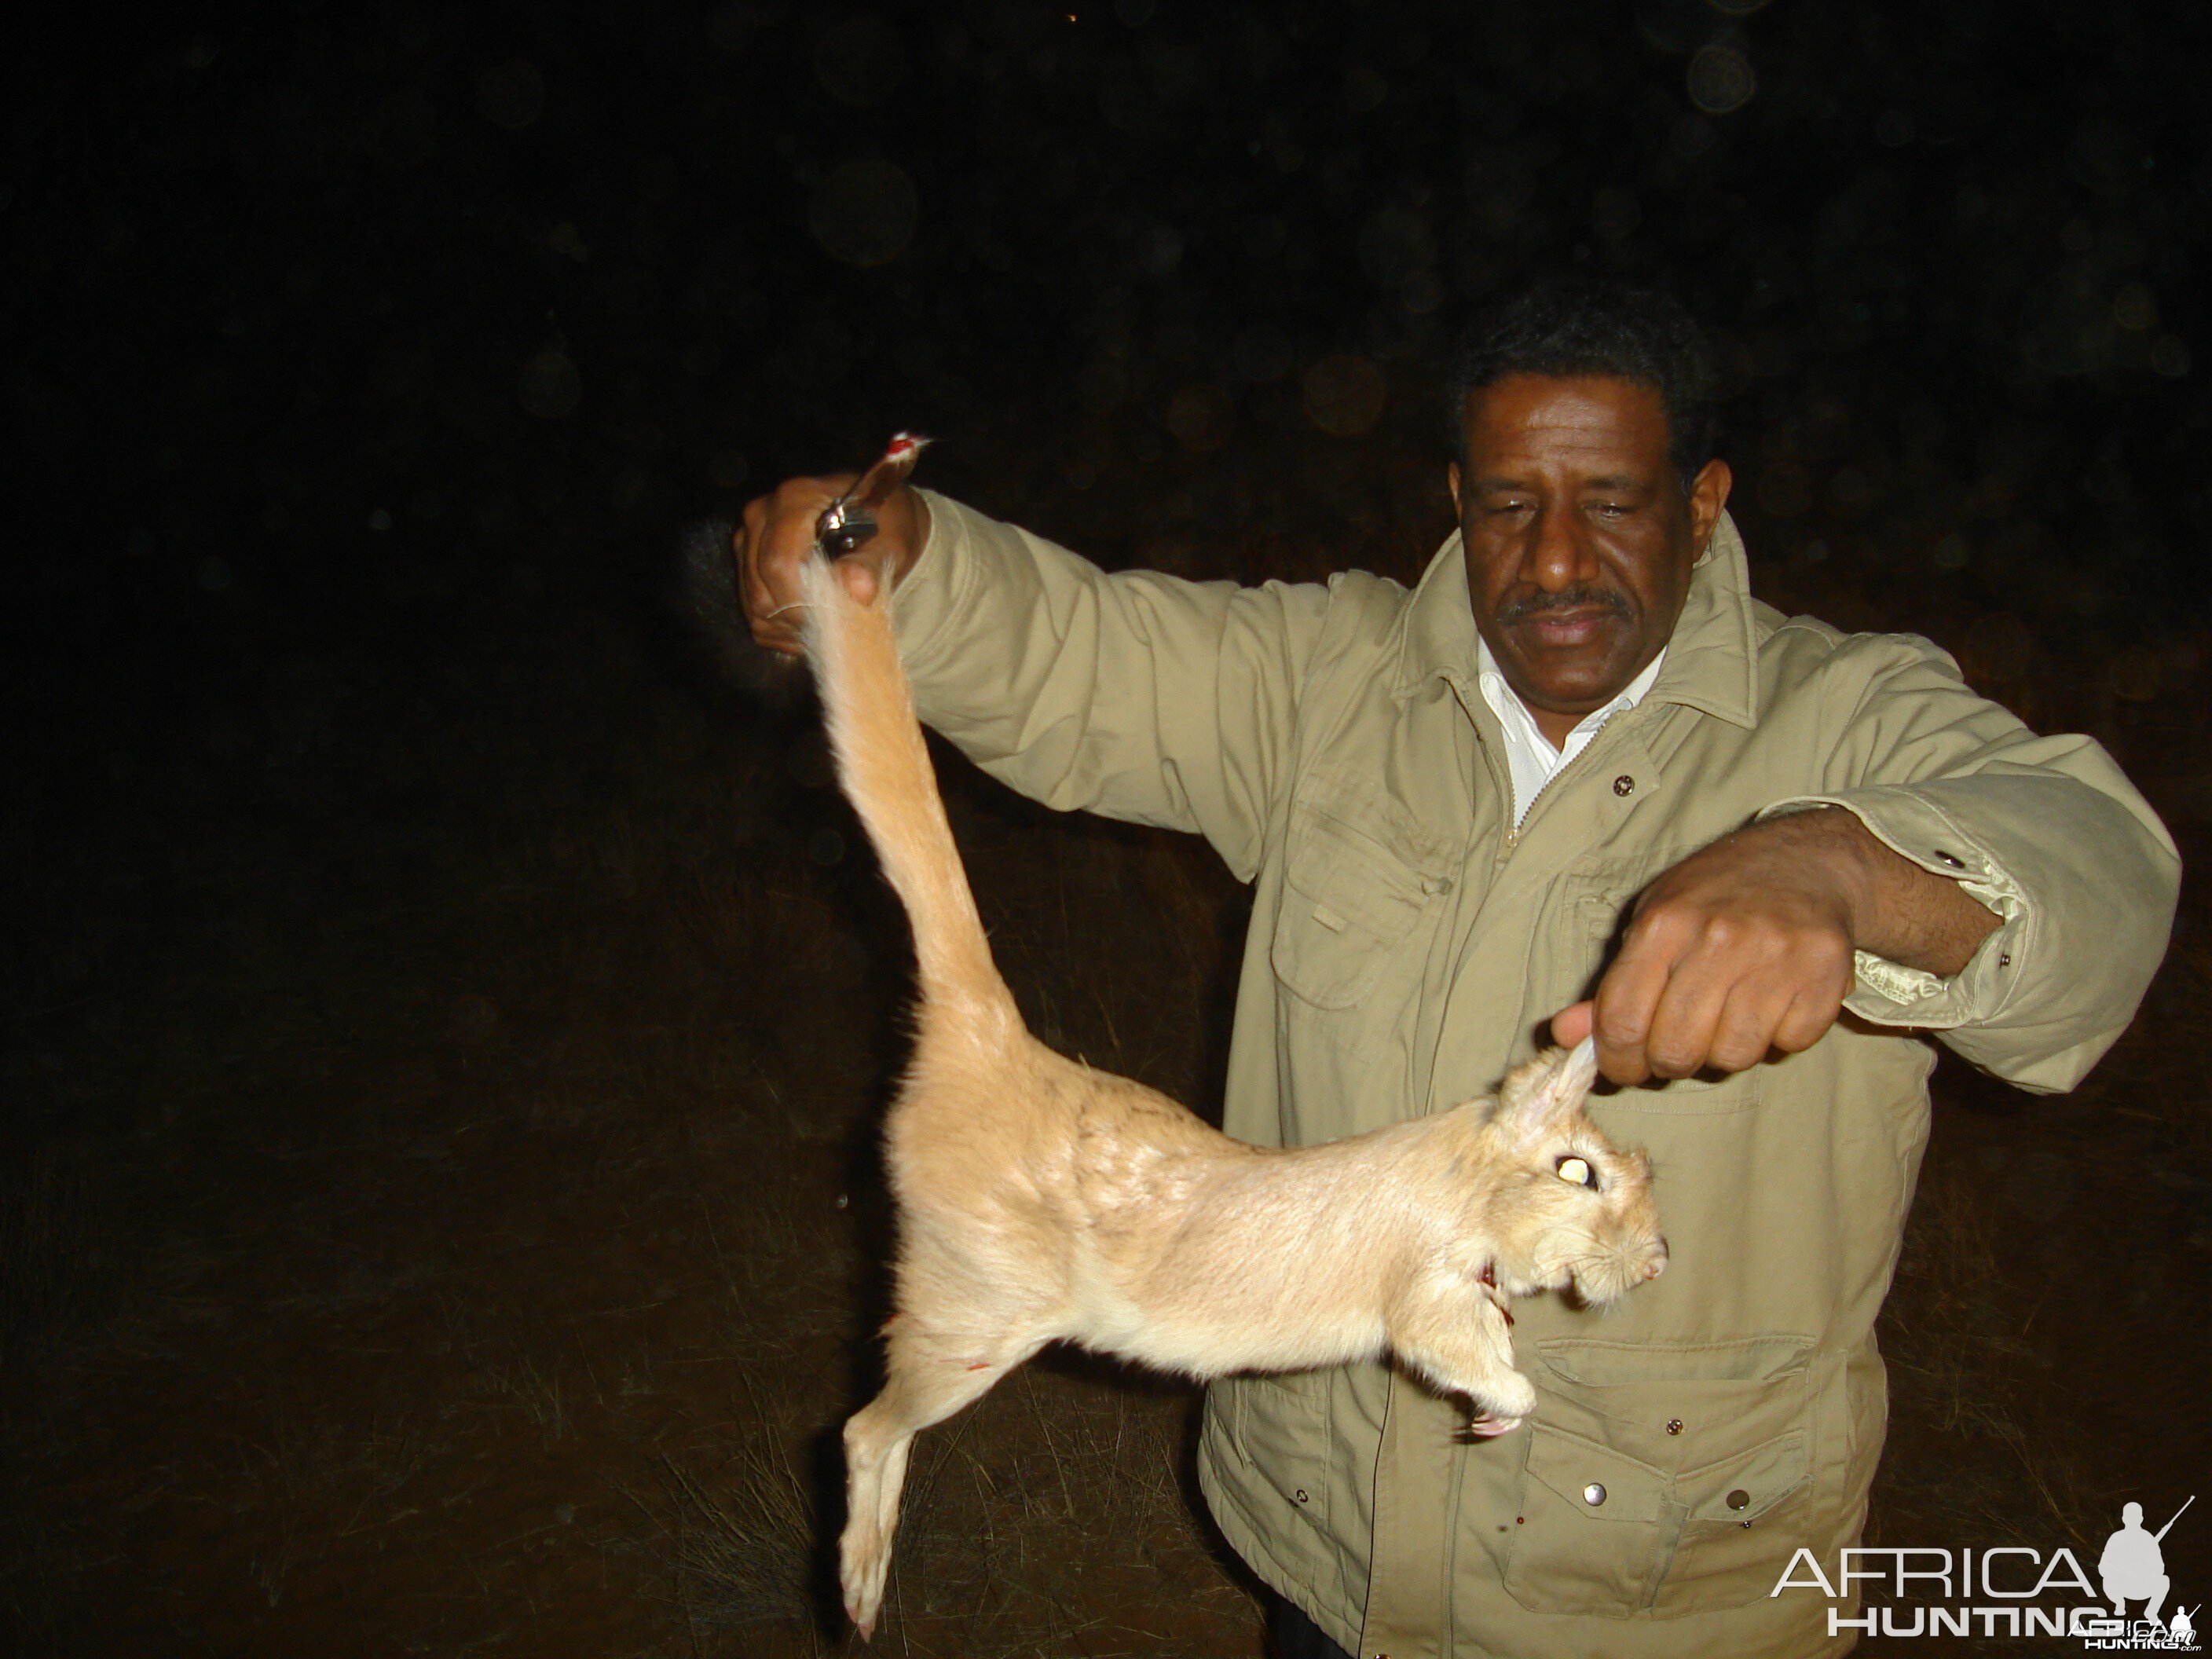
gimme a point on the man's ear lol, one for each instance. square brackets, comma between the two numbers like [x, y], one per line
[1709, 494]
[1452, 478]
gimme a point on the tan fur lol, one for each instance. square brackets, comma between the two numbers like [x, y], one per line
[1042, 1201]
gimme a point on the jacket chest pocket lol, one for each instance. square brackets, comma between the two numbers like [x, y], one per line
[1670, 1492]
[1591, 1529]
[1349, 901]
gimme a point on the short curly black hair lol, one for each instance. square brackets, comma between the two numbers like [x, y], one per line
[1570, 325]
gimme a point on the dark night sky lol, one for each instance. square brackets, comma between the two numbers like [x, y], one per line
[554, 279]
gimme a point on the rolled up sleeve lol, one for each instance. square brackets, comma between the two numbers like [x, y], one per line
[2045, 831]
[1138, 696]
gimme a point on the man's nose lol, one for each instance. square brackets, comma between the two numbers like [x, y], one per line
[1560, 556]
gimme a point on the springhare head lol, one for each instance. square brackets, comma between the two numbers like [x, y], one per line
[1579, 1212]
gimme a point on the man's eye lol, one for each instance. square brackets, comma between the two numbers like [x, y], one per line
[1612, 509]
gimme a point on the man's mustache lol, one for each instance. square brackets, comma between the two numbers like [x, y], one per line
[1573, 599]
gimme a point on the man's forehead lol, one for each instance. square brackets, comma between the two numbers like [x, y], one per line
[1582, 409]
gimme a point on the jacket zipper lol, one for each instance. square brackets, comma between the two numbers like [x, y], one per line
[1512, 838]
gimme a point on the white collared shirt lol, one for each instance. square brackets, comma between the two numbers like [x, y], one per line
[1530, 758]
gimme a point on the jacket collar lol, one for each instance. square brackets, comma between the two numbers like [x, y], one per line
[1712, 659]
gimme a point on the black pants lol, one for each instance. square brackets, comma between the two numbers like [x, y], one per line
[1297, 1637]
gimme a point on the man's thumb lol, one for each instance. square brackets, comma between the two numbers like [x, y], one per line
[1570, 1025]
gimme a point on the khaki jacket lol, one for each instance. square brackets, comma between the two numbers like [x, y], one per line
[1407, 946]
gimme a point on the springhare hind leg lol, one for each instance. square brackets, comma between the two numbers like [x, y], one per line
[930, 1379]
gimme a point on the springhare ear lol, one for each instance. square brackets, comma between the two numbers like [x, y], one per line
[1548, 1090]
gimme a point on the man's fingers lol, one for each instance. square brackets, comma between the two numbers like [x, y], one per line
[1746, 1027]
[769, 629]
[1809, 1016]
[1725, 1001]
[777, 537]
[1737, 951]
[1627, 998]
[1789, 1008]
[743, 541]
[1686, 1017]
[1764, 1016]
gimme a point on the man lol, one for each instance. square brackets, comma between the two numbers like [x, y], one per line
[2133, 1567]
[1576, 777]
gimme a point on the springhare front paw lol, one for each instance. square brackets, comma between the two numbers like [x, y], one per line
[1507, 1395]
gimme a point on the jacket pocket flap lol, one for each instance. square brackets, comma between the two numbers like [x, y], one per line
[1350, 899]
[1604, 1362]
[1350, 876]
[1594, 1479]
[1678, 1404]
[1745, 1487]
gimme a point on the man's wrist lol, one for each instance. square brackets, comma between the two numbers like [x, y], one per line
[1863, 864]
[1897, 909]
[1838, 847]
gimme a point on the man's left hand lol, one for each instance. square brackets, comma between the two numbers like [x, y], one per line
[1744, 947]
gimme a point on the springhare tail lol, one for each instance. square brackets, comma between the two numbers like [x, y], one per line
[885, 767]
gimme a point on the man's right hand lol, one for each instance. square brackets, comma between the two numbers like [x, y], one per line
[778, 533]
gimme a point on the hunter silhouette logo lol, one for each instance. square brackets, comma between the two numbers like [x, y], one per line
[2134, 1568]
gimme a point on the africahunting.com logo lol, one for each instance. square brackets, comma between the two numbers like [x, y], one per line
[2012, 1590]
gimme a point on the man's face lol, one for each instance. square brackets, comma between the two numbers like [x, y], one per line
[1579, 537]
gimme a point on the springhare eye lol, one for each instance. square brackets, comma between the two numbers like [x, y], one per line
[1576, 1170]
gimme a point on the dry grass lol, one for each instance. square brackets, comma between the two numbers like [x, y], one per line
[56, 1251]
[738, 1542]
[1052, 1518]
[1955, 1334]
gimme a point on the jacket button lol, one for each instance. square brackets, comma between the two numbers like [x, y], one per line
[2004, 958]
[1433, 886]
[1739, 1499]
[1300, 1494]
[1593, 1494]
[1673, 1425]
[1951, 859]
[1624, 784]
